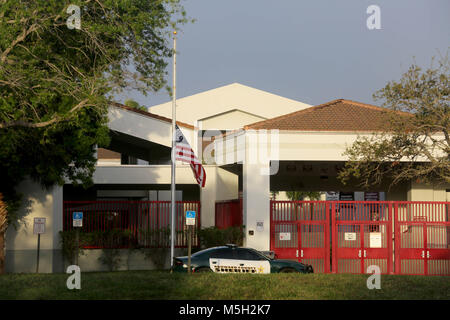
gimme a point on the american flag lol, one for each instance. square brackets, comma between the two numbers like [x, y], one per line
[184, 153]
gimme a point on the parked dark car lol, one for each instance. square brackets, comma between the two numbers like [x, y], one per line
[233, 259]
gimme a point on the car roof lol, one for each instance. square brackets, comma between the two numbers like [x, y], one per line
[221, 247]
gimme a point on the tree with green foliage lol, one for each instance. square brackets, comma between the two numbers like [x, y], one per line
[56, 79]
[133, 104]
[415, 145]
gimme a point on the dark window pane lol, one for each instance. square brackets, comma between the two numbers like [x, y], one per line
[203, 253]
[246, 254]
[222, 254]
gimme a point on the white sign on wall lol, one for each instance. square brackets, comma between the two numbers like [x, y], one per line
[285, 236]
[375, 240]
[350, 236]
[39, 226]
[332, 196]
[259, 226]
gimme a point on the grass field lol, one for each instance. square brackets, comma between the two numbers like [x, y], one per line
[163, 285]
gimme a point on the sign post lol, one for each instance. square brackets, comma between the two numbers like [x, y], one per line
[77, 224]
[38, 228]
[190, 221]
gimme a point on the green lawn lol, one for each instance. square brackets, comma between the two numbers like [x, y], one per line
[163, 285]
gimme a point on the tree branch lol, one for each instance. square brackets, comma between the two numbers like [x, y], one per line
[19, 39]
[55, 119]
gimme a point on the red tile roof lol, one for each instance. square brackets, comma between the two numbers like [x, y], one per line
[152, 115]
[337, 115]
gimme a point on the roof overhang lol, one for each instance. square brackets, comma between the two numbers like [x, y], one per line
[144, 125]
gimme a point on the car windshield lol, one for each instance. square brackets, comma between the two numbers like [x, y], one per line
[203, 252]
[265, 255]
[207, 252]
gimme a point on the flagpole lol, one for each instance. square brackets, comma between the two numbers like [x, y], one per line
[174, 97]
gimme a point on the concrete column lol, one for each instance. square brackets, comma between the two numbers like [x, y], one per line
[208, 197]
[256, 203]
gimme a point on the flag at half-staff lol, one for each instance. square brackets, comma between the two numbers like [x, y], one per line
[184, 153]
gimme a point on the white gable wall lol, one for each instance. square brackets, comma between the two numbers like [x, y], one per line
[226, 98]
[229, 120]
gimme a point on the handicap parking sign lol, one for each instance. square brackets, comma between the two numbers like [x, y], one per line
[190, 218]
[77, 219]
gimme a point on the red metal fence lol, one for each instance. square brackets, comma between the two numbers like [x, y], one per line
[300, 229]
[228, 213]
[423, 233]
[348, 236]
[131, 223]
[361, 236]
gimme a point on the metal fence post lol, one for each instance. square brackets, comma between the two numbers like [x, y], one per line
[396, 240]
[327, 239]
[333, 237]
[389, 242]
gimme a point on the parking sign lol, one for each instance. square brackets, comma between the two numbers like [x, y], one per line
[77, 219]
[190, 218]
[39, 226]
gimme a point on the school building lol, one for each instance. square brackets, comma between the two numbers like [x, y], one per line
[253, 144]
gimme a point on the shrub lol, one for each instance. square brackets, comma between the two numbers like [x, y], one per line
[213, 236]
[158, 238]
[69, 244]
[109, 240]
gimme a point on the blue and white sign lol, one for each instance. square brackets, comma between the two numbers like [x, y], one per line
[190, 218]
[77, 219]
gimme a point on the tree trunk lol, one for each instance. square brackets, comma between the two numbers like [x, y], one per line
[3, 225]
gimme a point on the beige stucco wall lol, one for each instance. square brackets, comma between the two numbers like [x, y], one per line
[230, 120]
[21, 243]
[226, 98]
[286, 145]
[282, 145]
[143, 174]
[314, 146]
[220, 185]
[427, 192]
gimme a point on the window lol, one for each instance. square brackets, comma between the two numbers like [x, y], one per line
[204, 254]
[246, 254]
[225, 253]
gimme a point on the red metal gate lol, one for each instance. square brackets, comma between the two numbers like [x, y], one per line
[362, 236]
[300, 231]
[423, 233]
[400, 237]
